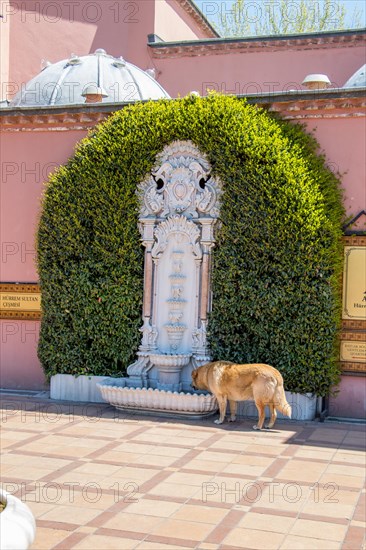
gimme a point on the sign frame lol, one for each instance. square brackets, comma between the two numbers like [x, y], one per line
[353, 328]
[19, 291]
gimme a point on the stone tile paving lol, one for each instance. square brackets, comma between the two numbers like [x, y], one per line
[96, 478]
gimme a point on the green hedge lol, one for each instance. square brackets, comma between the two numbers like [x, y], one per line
[277, 262]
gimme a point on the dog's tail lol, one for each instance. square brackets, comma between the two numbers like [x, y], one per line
[281, 402]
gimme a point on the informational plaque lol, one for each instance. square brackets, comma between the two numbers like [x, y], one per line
[353, 351]
[20, 301]
[354, 283]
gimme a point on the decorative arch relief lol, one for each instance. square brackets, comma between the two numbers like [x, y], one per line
[180, 183]
[180, 228]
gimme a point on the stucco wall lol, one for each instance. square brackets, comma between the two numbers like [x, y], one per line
[257, 72]
[350, 402]
[343, 140]
[26, 160]
[20, 367]
[4, 50]
[173, 23]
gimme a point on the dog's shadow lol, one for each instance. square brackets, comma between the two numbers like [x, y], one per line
[242, 426]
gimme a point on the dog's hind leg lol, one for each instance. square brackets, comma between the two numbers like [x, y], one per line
[222, 401]
[232, 410]
[261, 415]
[273, 415]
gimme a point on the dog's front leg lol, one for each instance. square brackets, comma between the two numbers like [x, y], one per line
[222, 401]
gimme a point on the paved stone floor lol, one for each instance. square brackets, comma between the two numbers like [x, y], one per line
[96, 478]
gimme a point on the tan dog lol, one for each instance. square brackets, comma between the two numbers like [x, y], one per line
[232, 382]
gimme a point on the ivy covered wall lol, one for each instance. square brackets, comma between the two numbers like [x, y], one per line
[277, 261]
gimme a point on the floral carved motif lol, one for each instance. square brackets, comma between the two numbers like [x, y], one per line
[180, 227]
[180, 184]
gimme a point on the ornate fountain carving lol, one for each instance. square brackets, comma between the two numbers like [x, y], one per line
[179, 206]
[176, 304]
[182, 184]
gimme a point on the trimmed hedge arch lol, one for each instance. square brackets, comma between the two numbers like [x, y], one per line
[277, 262]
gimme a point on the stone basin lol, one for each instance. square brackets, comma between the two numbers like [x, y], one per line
[121, 395]
[170, 361]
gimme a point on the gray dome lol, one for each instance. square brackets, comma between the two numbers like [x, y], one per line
[64, 82]
[357, 80]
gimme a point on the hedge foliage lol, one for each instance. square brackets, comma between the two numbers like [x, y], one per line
[277, 261]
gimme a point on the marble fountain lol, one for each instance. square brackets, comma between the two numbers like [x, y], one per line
[179, 208]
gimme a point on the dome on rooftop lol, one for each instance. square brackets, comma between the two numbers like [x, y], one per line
[67, 82]
[357, 80]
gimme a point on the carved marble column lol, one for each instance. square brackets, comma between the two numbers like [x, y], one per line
[207, 243]
[148, 241]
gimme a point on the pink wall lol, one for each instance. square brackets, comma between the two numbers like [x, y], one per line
[172, 22]
[20, 368]
[4, 50]
[257, 72]
[26, 160]
[344, 142]
[351, 400]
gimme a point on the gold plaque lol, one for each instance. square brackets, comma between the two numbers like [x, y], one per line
[354, 283]
[20, 301]
[353, 351]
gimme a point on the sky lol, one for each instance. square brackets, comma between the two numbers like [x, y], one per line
[211, 8]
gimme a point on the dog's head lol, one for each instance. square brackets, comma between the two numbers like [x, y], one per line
[194, 379]
[199, 378]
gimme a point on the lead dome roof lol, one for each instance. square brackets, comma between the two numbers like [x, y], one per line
[63, 83]
[358, 79]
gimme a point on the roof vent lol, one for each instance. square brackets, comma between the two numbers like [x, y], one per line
[151, 72]
[316, 82]
[74, 59]
[119, 62]
[94, 94]
[45, 64]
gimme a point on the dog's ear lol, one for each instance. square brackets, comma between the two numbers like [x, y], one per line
[194, 374]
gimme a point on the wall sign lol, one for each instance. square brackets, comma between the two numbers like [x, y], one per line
[353, 351]
[20, 301]
[353, 335]
[354, 283]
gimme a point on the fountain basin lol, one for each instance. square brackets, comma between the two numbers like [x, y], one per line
[157, 401]
[170, 361]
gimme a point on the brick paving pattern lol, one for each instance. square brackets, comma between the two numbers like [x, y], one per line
[96, 478]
